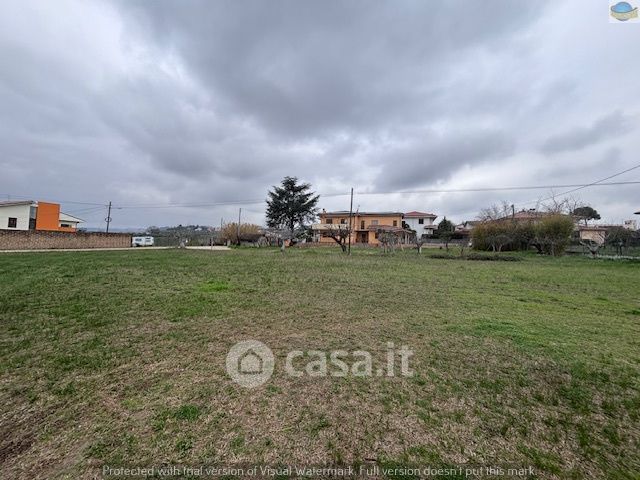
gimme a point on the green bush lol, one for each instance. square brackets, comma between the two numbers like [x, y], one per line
[551, 235]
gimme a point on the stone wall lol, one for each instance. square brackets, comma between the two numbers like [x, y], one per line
[42, 240]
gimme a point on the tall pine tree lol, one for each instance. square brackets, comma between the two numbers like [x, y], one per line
[291, 204]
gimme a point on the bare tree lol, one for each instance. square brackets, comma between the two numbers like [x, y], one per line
[495, 211]
[339, 233]
[559, 206]
[388, 240]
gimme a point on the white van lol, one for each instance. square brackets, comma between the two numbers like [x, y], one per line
[142, 242]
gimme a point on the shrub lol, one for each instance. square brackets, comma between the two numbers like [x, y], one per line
[502, 236]
[551, 235]
[248, 232]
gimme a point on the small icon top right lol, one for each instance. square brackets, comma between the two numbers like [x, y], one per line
[623, 12]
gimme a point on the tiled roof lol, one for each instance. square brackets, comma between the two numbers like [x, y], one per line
[415, 214]
[346, 212]
[524, 214]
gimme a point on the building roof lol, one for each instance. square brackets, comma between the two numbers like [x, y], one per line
[532, 214]
[527, 214]
[65, 217]
[415, 214]
[11, 203]
[594, 228]
[342, 213]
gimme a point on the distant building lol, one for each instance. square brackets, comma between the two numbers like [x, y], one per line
[531, 215]
[466, 226]
[366, 226]
[420, 222]
[596, 233]
[29, 215]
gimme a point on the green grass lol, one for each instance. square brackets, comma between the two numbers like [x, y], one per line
[119, 358]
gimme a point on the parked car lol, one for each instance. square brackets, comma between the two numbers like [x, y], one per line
[142, 242]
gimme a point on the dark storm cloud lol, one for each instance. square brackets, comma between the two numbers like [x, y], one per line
[605, 128]
[306, 68]
[435, 159]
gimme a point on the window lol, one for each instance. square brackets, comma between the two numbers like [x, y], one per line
[395, 223]
[361, 224]
[329, 221]
[421, 221]
[65, 225]
[343, 221]
[13, 222]
[374, 222]
[376, 235]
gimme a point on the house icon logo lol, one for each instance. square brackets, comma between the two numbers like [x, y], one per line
[250, 363]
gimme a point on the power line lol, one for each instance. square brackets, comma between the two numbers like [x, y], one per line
[493, 189]
[86, 211]
[592, 184]
[400, 192]
[31, 197]
[574, 187]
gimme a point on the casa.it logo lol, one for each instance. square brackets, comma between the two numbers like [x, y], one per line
[623, 12]
[250, 363]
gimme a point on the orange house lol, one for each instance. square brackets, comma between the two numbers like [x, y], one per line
[50, 218]
[365, 226]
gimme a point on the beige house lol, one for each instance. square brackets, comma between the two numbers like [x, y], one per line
[365, 226]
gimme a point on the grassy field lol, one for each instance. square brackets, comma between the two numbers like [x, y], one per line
[118, 358]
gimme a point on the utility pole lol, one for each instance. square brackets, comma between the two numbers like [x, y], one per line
[513, 211]
[239, 216]
[350, 220]
[108, 219]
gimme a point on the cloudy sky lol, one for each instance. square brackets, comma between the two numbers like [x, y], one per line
[160, 103]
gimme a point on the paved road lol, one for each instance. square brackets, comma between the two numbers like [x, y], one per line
[129, 249]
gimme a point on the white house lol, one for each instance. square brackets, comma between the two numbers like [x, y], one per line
[467, 225]
[29, 215]
[421, 222]
[69, 221]
[17, 215]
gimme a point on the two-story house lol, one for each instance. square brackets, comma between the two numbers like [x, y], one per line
[366, 226]
[420, 222]
[30, 215]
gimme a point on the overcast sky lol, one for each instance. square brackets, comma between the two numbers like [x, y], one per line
[174, 102]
